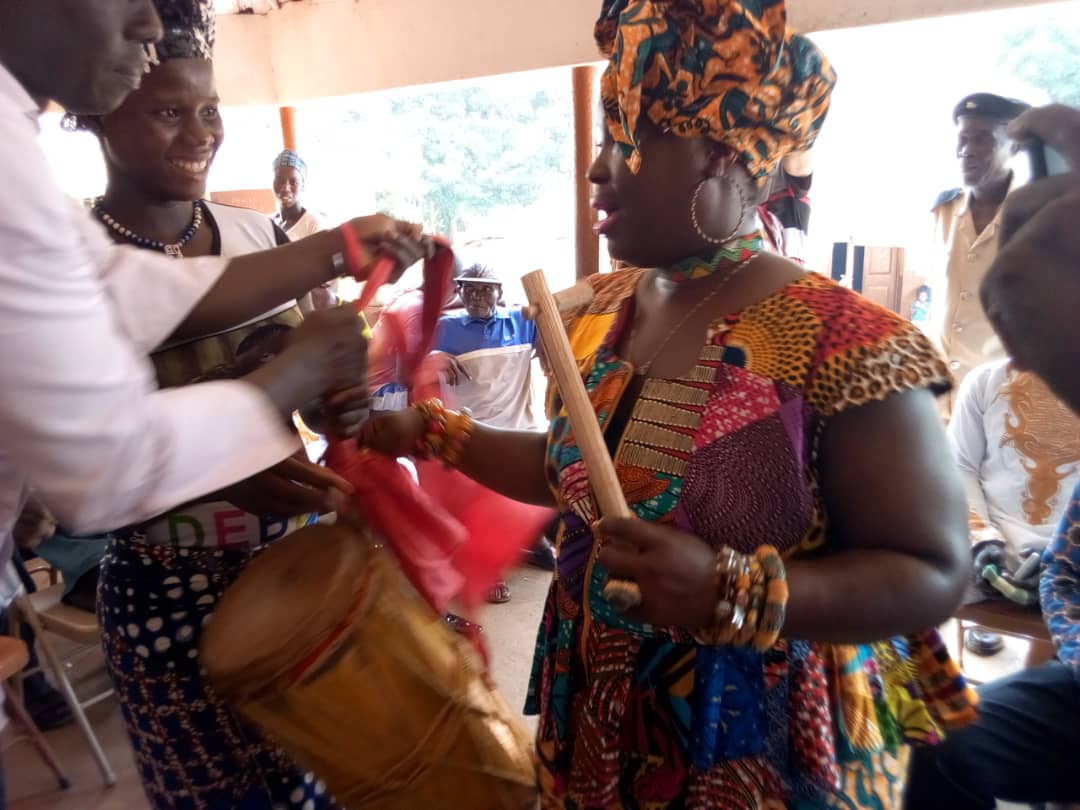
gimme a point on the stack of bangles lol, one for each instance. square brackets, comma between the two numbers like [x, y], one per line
[446, 432]
[752, 598]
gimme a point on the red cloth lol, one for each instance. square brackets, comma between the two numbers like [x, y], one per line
[453, 537]
[498, 529]
[396, 335]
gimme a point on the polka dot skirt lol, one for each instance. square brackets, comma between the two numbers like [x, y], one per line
[191, 751]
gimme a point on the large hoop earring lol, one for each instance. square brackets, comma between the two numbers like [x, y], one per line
[694, 211]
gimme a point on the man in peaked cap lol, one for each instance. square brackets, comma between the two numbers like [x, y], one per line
[487, 353]
[966, 223]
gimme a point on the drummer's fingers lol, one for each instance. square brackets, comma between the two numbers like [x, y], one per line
[313, 475]
[1027, 201]
[349, 413]
[290, 498]
[350, 423]
[346, 396]
[346, 510]
[1056, 125]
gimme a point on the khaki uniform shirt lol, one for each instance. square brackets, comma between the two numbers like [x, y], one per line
[965, 334]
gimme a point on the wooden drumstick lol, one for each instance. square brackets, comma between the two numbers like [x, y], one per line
[594, 453]
[576, 297]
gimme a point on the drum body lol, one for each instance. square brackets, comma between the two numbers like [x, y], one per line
[326, 648]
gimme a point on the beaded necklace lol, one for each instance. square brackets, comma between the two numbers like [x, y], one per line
[174, 250]
[729, 255]
[730, 259]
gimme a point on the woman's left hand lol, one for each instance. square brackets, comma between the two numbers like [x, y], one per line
[675, 571]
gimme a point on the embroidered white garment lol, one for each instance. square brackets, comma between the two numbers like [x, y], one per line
[1018, 449]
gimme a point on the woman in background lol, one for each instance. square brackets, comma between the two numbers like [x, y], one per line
[290, 177]
[920, 307]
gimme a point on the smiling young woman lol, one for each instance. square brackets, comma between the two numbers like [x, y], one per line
[161, 580]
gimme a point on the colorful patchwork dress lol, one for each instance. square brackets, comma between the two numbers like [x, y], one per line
[638, 716]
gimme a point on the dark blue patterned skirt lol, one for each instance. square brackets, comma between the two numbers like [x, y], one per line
[191, 751]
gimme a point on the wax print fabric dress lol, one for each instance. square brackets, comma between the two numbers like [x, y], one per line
[638, 716]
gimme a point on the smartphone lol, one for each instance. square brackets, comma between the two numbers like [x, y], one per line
[1042, 160]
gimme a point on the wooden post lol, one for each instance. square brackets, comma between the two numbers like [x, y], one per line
[586, 243]
[288, 127]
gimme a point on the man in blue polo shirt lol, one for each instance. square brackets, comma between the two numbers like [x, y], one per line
[488, 353]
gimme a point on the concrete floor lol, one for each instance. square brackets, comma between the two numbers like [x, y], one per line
[511, 632]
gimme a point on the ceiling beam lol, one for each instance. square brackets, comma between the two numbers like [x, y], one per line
[319, 48]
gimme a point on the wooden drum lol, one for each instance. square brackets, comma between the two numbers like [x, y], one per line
[324, 646]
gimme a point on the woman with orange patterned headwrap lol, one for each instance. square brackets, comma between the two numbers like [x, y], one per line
[754, 638]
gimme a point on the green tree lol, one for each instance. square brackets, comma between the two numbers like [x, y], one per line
[462, 151]
[1046, 55]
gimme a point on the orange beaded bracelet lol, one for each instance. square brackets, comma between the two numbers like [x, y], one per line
[446, 432]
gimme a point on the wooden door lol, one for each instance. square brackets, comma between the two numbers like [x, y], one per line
[883, 276]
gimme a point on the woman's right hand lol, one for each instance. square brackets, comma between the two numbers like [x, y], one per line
[394, 434]
[380, 226]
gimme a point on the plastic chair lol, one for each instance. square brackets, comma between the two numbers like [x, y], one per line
[43, 611]
[14, 656]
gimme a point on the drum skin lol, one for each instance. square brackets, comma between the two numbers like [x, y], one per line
[324, 646]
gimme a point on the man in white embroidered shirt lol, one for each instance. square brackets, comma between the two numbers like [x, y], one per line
[966, 225]
[81, 420]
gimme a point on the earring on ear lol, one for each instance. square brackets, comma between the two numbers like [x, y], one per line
[742, 210]
[150, 57]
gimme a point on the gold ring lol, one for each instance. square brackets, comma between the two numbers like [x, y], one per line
[622, 594]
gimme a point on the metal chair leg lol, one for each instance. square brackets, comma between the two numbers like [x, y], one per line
[56, 666]
[26, 723]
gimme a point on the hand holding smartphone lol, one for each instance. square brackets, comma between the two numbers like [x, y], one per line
[1042, 160]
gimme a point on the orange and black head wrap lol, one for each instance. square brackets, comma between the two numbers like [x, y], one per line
[730, 71]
